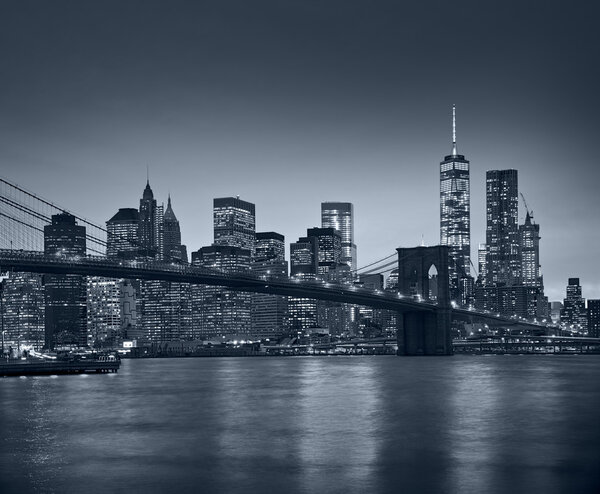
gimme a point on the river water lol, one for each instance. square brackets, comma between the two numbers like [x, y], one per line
[462, 424]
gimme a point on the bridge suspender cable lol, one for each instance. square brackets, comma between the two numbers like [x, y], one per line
[52, 205]
[376, 262]
[381, 268]
[44, 218]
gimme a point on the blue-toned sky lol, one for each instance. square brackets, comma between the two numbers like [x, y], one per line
[290, 103]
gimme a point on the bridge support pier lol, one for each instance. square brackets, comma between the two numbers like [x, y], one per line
[425, 332]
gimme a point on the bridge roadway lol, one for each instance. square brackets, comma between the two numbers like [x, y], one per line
[38, 262]
[184, 273]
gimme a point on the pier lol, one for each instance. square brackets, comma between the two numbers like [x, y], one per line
[42, 368]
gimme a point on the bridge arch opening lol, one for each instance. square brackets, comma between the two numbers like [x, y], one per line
[432, 275]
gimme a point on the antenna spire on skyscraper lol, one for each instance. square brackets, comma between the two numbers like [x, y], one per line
[454, 153]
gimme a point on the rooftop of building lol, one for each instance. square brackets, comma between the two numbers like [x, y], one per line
[124, 215]
[269, 236]
[223, 202]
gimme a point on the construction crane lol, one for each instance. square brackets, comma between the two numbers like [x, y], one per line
[530, 213]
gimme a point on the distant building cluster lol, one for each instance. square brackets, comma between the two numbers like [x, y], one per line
[509, 281]
[63, 311]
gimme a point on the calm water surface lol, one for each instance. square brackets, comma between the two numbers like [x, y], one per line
[481, 424]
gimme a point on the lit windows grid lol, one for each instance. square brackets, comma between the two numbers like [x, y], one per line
[455, 222]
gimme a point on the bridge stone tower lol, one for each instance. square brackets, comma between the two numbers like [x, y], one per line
[423, 274]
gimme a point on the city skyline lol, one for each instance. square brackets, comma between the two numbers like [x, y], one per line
[329, 109]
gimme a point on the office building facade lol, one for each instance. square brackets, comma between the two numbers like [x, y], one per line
[23, 310]
[234, 223]
[122, 234]
[217, 311]
[340, 216]
[593, 318]
[304, 265]
[573, 315]
[503, 261]
[65, 295]
[269, 312]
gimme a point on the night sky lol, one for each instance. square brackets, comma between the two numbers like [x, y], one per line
[290, 103]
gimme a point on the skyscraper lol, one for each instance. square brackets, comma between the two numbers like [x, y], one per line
[171, 233]
[455, 216]
[164, 307]
[531, 278]
[573, 314]
[503, 261]
[270, 246]
[482, 262]
[103, 311]
[304, 263]
[529, 243]
[269, 311]
[217, 311]
[329, 243]
[111, 303]
[340, 215]
[234, 222]
[65, 294]
[122, 234]
[148, 229]
[334, 316]
[23, 310]
[593, 314]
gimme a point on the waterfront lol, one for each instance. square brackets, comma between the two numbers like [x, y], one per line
[307, 424]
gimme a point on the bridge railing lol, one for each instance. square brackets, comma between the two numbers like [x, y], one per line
[318, 285]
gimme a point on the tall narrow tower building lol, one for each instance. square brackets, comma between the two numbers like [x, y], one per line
[455, 215]
[340, 215]
[503, 258]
